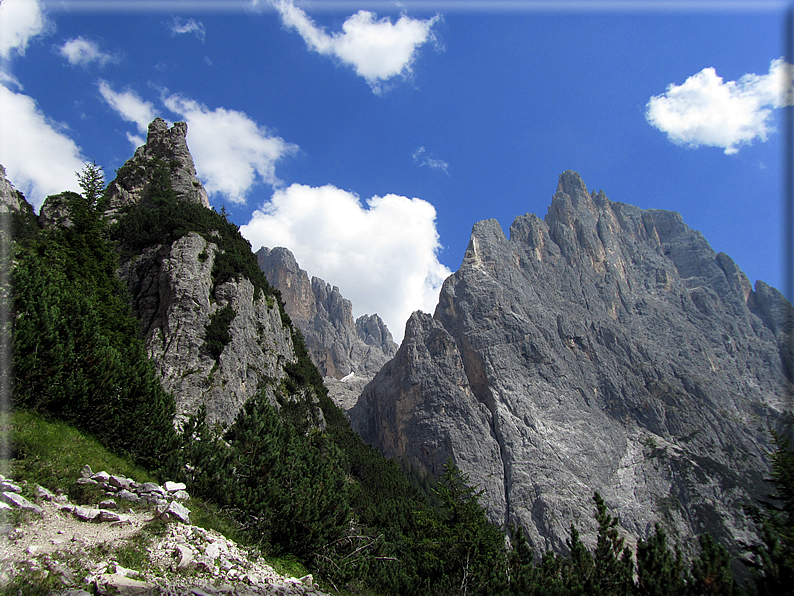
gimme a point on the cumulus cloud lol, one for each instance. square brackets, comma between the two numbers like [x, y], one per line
[231, 151]
[377, 49]
[131, 108]
[79, 51]
[178, 27]
[705, 110]
[383, 256]
[422, 158]
[39, 158]
[20, 20]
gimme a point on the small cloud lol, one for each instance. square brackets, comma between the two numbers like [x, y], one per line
[131, 108]
[79, 51]
[40, 159]
[377, 49]
[10, 81]
[20, 21]
[383, 254]
[422, 158]
[230, 150]
[705, 110]
[178, 27]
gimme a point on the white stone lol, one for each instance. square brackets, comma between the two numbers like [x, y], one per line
[101, 476]
[19, 502]
[175, 511]
[172, 487]
[86, 513]
[43, 493]
[7, 486]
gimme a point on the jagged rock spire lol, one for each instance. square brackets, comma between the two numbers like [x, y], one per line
[169, 147]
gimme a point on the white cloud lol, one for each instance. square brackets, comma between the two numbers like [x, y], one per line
[378, 50]
[704, 110]
[79, 51]
[131, 108]
[230, 150]
[422, 158]
[382, 256]
[20, 20]
[39, 158]
[190, 26]
[10, 81]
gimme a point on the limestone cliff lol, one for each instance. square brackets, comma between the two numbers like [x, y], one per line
[347, 353]
[604, 348]
[11, 200]
[174, 295]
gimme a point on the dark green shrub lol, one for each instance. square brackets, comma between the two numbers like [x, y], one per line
[217, 330]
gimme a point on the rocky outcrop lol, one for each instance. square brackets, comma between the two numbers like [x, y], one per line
[55, 211]
[11, 200]
[166, 148]
[174, 298]
[606, 348]
[347, 353]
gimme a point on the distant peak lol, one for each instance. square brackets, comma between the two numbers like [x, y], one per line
[571, 183]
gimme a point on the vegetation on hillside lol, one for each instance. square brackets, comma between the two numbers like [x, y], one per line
[295, 480]
[76, 351]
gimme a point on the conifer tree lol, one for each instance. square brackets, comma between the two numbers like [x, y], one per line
[613, 564]
[711, 570]
[659, 572]
[461, 552]
[772, 559]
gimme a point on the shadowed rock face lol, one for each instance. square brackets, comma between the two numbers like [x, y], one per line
[347, 353]
[604, 348]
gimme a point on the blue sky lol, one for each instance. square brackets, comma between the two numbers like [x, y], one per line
[368, 137]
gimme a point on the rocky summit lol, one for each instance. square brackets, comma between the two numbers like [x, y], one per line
[603, 348]
[167, 148]
[347, 353]
[175, 294]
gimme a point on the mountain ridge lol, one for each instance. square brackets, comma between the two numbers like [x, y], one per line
[347, 352]
[603, 348]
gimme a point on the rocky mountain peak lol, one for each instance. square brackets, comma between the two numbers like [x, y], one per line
[164, 148]
[606, 348]
[347, 353]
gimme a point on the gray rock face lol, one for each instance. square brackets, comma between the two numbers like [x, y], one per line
[606, 348]
[10, 199]
[55, 211]
[168, 148]
[172, 290]
[347, 353]
[174, 296]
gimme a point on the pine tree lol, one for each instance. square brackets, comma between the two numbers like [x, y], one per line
[659, 572]
[711, 570]
[773, 558]
[613, 565]
[461, 552]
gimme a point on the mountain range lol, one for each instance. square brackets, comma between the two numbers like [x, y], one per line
[602, 348]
